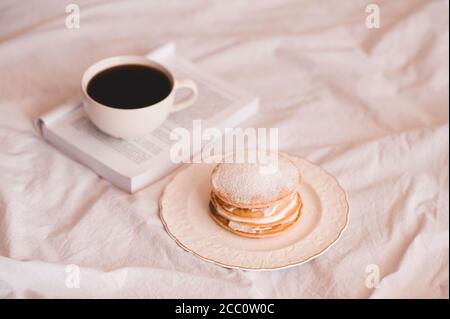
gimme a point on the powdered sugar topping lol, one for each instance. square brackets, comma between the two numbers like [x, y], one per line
[246, 184]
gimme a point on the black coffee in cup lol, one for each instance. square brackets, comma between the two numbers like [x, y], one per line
[130, 86]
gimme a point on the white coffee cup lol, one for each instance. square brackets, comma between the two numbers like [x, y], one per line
[128, 123]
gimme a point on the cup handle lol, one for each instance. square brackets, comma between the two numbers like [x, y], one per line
[189, 100]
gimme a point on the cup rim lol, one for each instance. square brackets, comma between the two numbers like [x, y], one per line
[117, 60]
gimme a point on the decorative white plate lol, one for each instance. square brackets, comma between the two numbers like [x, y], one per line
[184, 210]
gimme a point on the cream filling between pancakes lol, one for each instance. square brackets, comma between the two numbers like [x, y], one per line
[266, 211]
[258, 229]
[261, 220]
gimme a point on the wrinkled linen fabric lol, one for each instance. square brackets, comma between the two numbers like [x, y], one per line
[370, 105]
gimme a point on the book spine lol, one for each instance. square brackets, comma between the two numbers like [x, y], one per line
[51, 116]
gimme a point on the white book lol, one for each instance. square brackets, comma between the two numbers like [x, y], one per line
[135, 163]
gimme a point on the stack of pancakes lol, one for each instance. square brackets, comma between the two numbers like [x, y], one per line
[251, 203]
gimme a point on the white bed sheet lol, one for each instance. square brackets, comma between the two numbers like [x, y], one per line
[369, 105]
